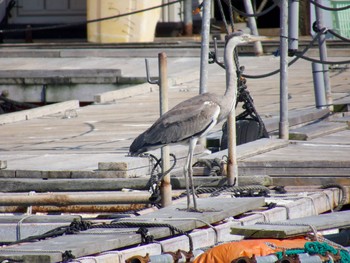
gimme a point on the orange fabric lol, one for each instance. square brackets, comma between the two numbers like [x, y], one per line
[225, 253]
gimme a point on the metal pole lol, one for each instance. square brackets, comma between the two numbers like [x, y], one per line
[284, 125]
[323, 55]
[320, 95]
[188, 22]
[258, 49]
[205, 47]
[293, 26]
[165, 188]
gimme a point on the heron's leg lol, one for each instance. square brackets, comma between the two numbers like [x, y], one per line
[193, 143]
[186, 173]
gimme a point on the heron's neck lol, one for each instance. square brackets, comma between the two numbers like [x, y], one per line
[231, 75]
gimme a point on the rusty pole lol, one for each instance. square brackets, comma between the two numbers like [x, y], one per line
[75, 199]
[165, 188]
[188, 22]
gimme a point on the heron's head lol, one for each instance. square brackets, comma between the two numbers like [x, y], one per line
[240, 38]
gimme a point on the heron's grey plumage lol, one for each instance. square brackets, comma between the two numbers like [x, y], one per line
[195, 117]
[190, 118]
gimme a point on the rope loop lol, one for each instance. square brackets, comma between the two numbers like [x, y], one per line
[67, 256]
[146, 237]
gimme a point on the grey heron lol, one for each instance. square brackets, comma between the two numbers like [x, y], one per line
[194, 117]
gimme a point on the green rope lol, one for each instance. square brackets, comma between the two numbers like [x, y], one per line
[345, 256]
[323, 248]
[320, 248]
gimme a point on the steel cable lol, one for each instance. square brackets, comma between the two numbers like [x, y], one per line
[172, 228]
[292, 61]
[267, 10]
[338, 36]
[329, 8]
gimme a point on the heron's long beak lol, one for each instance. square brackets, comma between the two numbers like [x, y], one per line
[254, 38]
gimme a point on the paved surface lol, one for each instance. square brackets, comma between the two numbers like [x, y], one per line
[103, 132]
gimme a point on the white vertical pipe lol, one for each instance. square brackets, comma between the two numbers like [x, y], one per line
[293, 26]
[323, 55]
[320, 95]
[205, 47]
[258, 49]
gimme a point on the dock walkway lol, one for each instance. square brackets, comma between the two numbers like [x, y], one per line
[66, 147]
[69, 143]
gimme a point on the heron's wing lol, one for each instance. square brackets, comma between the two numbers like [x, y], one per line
[178, 125]
[182, 123]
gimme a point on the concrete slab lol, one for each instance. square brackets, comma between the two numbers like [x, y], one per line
[67, 109]
[294, 227]
[315, 130]
[13, 227]
[98, 240]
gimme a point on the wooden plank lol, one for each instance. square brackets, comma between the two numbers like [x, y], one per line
[309, 180]
[294, 227]
[3, 164]
[94, 241]
[123, 93]
[37, 219]
[16, 227]
[57, 165]
[304, 151]
[112, 184]
[297, 163]
[295, 171]
[250, 149]
[344, 117]
[297, 117]
[59, 72]
[38, 112]
[302, 159]
[125, 164]
[311, 131]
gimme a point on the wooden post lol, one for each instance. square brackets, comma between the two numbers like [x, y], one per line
[283, 124]
[232, 167]
[165, 188]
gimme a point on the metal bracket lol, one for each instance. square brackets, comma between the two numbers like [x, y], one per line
[148, 75]
[214, 55]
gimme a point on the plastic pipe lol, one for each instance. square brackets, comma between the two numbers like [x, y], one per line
[293, 26]
[205, 47]
[320, 95]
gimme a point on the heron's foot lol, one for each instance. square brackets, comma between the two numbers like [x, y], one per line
[191, 209]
